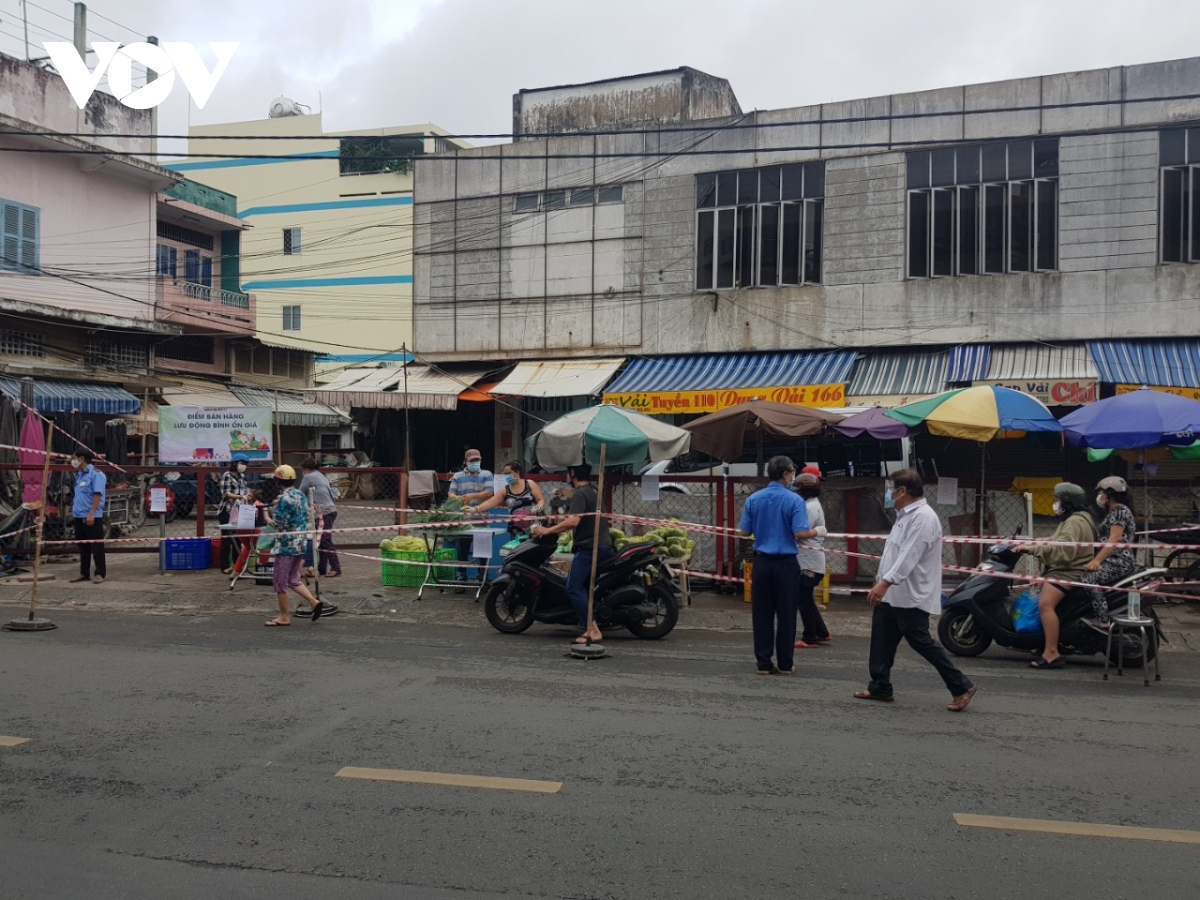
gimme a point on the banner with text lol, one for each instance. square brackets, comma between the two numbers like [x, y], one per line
[662, 403]
[1190, 393]
[1072, 392]
[213, 434]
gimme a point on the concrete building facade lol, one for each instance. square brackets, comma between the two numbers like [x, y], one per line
[1056, 208]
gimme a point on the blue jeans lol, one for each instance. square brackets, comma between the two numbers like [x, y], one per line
[578, 578]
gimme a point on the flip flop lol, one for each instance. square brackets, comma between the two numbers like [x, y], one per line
[1042, 663]
[275, 623]
[867, 695]
[317, 609]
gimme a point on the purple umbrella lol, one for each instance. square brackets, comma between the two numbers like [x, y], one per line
[33, 443]
[873, 422]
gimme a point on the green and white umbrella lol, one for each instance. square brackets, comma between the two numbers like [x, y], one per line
[630, 438]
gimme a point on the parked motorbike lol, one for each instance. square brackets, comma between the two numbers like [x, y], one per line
[634, 590]
[978, 613]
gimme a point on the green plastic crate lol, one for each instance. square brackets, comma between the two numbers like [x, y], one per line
[444, 573]
[398, 575]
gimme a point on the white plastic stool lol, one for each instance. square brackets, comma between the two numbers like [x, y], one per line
[1145, 627]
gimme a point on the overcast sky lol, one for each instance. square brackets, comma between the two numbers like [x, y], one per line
[373, 63]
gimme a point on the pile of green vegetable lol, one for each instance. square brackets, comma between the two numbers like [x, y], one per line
[673, 542]
[450, 511]
[406, 543]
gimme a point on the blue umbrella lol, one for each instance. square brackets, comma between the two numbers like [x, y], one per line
[1134, 421]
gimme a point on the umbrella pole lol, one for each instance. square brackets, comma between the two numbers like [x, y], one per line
[32, 624]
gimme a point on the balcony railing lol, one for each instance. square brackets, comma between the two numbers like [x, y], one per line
[195, 291]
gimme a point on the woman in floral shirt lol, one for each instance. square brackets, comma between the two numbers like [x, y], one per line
[1111, 564]
[291, 523]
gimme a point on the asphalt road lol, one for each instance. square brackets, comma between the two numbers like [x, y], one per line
[195, 757]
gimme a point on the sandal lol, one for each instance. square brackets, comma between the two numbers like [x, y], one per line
[1042, 663]
[867, 695]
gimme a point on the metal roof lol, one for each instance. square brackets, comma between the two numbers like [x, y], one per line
[293, 411]
[1041, 362]
[558, 378]
[424, 387]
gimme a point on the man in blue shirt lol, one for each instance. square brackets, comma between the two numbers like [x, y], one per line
[777, 518]
[88, 510]
[473, 482]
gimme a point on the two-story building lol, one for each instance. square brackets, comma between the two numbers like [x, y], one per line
[1040, 233]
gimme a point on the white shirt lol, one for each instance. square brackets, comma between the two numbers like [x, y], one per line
[812, 551]
[912, 560]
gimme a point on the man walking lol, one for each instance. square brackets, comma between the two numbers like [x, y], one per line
[88, 510]
[588, 534]
[777, 519]
[909, 590]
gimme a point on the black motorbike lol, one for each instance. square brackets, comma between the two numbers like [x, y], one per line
[634, 589]
[978, 612]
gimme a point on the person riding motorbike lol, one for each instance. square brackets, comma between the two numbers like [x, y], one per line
[1111, 564]
[1078, 526]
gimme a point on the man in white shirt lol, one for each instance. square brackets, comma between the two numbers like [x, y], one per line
[909, 590]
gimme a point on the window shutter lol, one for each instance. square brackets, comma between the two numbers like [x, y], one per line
[206, 271]
[12, 236]
[29, 239]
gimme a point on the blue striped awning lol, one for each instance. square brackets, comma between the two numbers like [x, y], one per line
[900, 373]
[68, 396]
[733, 370]
[968, 363]
[1170, 363]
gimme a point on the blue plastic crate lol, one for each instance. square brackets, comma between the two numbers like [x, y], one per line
[187, 553]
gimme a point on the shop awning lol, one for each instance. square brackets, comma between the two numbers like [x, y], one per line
[293, 411]
[481, 393]
[968, 363]
[68, 396]
[424, 387]
[199, 392]
[559, 378]
[709, 383]
[895, 377]
[1165, 363]
[144, 421]
[1061, 375]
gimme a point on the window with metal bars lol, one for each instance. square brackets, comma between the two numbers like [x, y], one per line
[291, 241]
[22, 343]
[183, 235]
[983, 209]
[111, 353]
[19, 227]
[760, 226]
[1179, 159]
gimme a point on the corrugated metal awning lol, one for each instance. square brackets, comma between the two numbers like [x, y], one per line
[1041, 362]
[293, 411]
[968, 363]
[734, 370]
[561, 378]
[899, 373]
[81, 396]
[424, 387]
[1167, 363]
[199, 392]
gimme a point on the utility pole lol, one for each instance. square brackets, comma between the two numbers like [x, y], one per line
[25, 17]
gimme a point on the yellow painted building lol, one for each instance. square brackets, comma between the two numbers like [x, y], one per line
[329, 254]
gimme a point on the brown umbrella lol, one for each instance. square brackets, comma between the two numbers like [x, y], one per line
[725, 434]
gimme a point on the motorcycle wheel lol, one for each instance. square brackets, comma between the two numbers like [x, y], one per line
[1130, 647]
[959, 635]
[665, 617]
[507, 617]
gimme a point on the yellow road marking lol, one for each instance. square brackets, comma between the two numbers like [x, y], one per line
[1080, 829]
[12, 741]
[475, 781]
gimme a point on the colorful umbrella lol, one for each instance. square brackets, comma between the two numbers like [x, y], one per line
[981, 413]
[631, 439]
[1135, 421]
[873, 422]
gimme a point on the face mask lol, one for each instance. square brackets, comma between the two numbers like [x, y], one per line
[473, 467]
[74, 462]
[241, 467]
[1057, 508]
[510, 479]
[1101, 500]
[889, 502]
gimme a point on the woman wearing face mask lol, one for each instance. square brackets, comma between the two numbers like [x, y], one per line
[233, 491]
[812, 564]
[1111, 564]
[1065, 563]
[518, 492]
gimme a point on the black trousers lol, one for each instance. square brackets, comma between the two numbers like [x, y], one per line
[888, 625]
[774, 591]
[88, 552]
[810, 617]
[229, 545]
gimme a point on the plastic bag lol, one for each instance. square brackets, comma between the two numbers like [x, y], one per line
[1025, 615]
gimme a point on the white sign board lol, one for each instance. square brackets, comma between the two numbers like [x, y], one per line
[947, 491]
[189, 434]
[650, 487]
[245, 516]
[158, 499]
